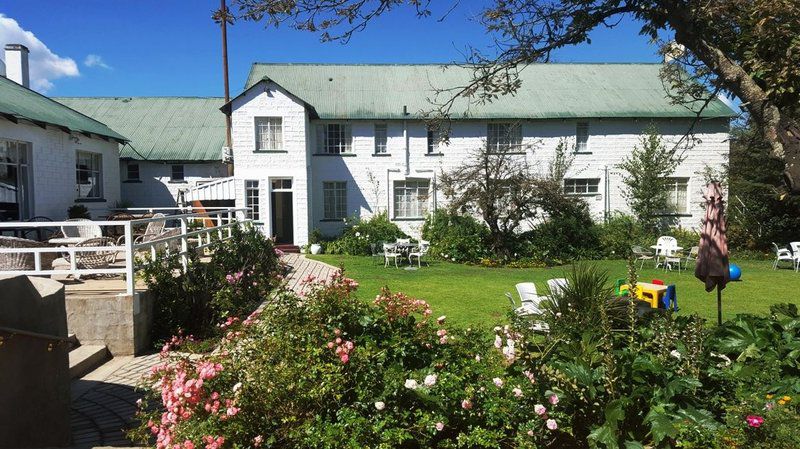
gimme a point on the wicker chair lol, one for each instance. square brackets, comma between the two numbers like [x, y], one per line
[90, 260]
[23, 261]
[42, 234]
[86, 229]
[153, 231]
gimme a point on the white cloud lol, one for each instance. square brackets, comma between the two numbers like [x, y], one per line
[45, 66]
[96, 61]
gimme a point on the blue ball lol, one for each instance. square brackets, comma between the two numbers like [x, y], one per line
[735, 272]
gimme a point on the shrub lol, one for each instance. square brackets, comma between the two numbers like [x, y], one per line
[360, 235]
[334, 371]
[568, 233]
[78, 211]
[458, 238]
[241, 273]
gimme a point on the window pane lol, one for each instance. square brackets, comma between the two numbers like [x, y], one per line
[177, 172]
[252, 199]
[503, 137]
[579, 186]
[582, 137]
[677, 195]
[433, 143]
[334, 196]
[269, 133]
[88, 175]
[380, 138]
[410, 199]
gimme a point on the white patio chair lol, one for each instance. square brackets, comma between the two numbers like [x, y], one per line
[795, 254]
[89, 260]
[390, 252]
[377, 251]
[641, 254]
[153, 231]
[672, 258]
[557, 285]
[530, 307]
[692, 256]
[419, 252]
[664, 244]
[782, 255]
[85, 230]
[527, 292]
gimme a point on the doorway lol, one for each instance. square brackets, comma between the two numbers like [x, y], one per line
[282, 211]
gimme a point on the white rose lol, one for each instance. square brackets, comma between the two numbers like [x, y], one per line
[675, 354]
[411, 384]
[380, 405]
[430, 380]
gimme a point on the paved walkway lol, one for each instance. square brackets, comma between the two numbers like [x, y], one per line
[104, 401]
[302, 268]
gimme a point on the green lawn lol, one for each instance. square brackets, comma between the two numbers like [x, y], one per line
[475, 295]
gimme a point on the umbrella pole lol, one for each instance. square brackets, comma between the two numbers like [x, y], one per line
[719, 306]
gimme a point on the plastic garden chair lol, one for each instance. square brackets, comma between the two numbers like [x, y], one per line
[557, 285]
[618, 290]
[658, 282]
[781, 255]
[670, 299]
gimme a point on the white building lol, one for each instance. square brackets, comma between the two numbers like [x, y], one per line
[174, 143]
[315, 143]
[51, 157]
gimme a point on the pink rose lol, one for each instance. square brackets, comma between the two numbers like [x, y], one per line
[345, 358]
[498, 382]
[754, 420]
[466, 404]
[517, 392]
[539, 409]
[439, 426]
[551, 424]
[553, 399]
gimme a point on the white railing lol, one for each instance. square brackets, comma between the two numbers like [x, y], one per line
[218, 189]
[195, 231]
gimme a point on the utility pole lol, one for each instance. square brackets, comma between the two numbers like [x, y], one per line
[223, 17]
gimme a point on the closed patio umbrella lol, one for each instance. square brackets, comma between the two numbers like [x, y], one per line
[712, 259]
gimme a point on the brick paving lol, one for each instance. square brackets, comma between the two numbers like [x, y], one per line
[104, 405]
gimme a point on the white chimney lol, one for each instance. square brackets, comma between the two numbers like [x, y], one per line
[17, 64]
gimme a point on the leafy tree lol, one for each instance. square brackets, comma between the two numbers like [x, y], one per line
[645, 173]
[748, 48]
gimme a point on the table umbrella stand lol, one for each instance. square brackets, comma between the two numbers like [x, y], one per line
[719, 306]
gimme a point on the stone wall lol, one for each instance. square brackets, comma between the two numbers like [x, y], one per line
[121, 322]
[34, 371]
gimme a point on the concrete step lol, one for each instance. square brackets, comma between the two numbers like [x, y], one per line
[289, 248]
[84, 359]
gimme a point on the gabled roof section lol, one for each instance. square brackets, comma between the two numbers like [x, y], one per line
[20, 103]
[161, 128]
[380, 91]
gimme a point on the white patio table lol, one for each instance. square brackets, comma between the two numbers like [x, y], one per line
[67, 241]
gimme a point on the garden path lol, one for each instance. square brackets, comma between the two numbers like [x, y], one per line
[302, 268]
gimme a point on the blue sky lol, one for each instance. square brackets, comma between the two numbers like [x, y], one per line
[172, 47]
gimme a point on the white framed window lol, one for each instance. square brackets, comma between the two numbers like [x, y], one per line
[381, 138]
[88, 174]
[176, 174]
[252, 199]
[132, 171]
[15, 180]
[335, 138]
[582, 137]
[334, 194]
[269, 133]
[581, 186]
[502, 137]
[433, 140]
[678, 195]
[411, 199]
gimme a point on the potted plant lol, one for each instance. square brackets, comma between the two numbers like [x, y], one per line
[314, 241]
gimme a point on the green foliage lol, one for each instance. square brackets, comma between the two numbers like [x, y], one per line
[78, 211]
[360, 235]
[645, 174]
[568, 233]
[454, 237]
[241, 273]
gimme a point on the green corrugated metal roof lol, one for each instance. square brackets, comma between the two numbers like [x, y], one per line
[379, 91]
[18, 102]
[161, 128]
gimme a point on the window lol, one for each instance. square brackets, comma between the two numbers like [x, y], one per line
[410, 199]
[133, 171]
[677, 195]
[433, 140]
[15, 198]
[283, 185]
[89, 174]
[381, 138]
[334, 200]
[501, 137]
[269, 133]
[252, 199]
[582, 137]
[577, 186]
[177, 173]
[335, 138]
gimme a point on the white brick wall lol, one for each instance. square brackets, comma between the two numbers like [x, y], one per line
[610, 140]
[53, 168]
[155, 187]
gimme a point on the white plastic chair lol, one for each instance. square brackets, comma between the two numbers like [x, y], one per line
[419, 252]
[795, 254]
[557, 285]
[390, 252]
[526, 292]
[782, 255]
[665, 245]
[692, 256]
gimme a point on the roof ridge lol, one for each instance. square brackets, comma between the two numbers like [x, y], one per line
[457, 64]
[122, 97]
